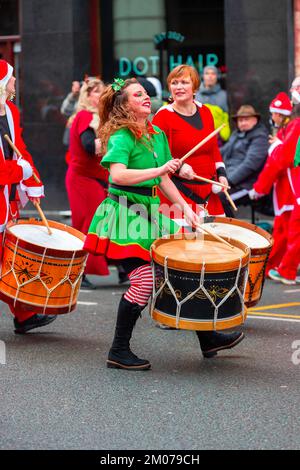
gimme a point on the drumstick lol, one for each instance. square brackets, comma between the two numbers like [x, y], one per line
[210, 136]
[6, 137]
[214, 235]
[230, 200]
[196, 177]
[42, 215]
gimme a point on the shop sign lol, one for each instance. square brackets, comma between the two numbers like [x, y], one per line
[150, 65]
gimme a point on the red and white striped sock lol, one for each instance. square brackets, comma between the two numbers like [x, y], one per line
[141, 281]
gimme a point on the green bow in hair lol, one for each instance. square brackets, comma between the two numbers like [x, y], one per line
[118, 84]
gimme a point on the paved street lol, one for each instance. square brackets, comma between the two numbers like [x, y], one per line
[56, 392]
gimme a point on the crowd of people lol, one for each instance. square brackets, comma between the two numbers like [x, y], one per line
[121, 154]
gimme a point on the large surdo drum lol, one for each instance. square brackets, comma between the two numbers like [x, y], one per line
[260, 243]
[42, 272]
[199, 284]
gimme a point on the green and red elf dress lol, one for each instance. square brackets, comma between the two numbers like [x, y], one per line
[128, 221]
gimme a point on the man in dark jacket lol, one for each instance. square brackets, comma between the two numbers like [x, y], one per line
[244, 155]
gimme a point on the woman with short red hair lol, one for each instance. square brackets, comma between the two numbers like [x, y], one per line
[186, 122]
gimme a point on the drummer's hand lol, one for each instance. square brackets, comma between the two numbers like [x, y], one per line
[26, 167]
[186, 171]
[97, 146]
[170, 167]
[273, 138]
[34, 200]
[191, 217]
[254, 195]
[224, 180]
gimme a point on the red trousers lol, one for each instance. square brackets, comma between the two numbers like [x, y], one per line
[21, 315]
[291, 258]
[280, 236]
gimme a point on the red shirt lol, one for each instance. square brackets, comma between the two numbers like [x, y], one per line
[182, 137]
[82, 162]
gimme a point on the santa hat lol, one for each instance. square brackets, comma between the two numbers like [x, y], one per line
[281, 104]
[6, 72]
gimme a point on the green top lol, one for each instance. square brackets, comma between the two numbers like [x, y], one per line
[138, 154]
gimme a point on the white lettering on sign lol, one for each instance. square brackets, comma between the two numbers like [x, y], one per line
[150, 65]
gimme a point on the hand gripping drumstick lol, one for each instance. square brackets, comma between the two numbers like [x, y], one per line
[196, 177]
[6, 137]
[36, 204]
[42, 216]
[210, 136]
[200, 178]
[214, 235]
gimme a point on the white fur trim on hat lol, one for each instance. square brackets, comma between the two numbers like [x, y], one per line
[285, 112]
[8, 75]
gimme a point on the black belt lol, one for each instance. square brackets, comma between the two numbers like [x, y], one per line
[188, 192]
[143, 190]
[124, 202]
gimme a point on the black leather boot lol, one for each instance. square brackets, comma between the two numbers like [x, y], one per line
[120, 356]
[213, 341]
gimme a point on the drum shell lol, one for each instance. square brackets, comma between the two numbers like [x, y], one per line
[198, 313]
[258, 259]
[23, 260]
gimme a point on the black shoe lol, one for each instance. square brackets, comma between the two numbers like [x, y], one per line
[212, 341]
[86, 284]
[126, 360]
[36, 321]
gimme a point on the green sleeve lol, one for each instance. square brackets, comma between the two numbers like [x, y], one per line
[297, 154]
[119, 147]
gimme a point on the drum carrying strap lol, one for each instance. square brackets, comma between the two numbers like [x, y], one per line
[188, 192]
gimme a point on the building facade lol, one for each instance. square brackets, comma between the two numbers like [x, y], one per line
[255, 46]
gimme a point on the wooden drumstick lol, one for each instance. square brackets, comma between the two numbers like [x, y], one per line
[214, 235]
[201, 178]
[42, 215]
[210, 136]
[7, 138]
[230, 200]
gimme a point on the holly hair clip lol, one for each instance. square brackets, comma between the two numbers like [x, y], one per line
[118, 84]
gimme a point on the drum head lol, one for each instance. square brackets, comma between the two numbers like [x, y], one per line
[251, 235]
[191, 255]
[36, 233]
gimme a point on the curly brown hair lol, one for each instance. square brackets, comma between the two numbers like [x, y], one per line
[114, 113]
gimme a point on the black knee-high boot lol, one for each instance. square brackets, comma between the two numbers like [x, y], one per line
[213, 341]
[120, 356]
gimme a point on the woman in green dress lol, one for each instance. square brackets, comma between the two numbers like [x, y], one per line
[128, 221]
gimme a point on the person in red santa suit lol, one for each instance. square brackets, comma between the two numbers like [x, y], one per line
[86, 180]
[280, 169]
[17, 184]
[283, 197]
[186, 122]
